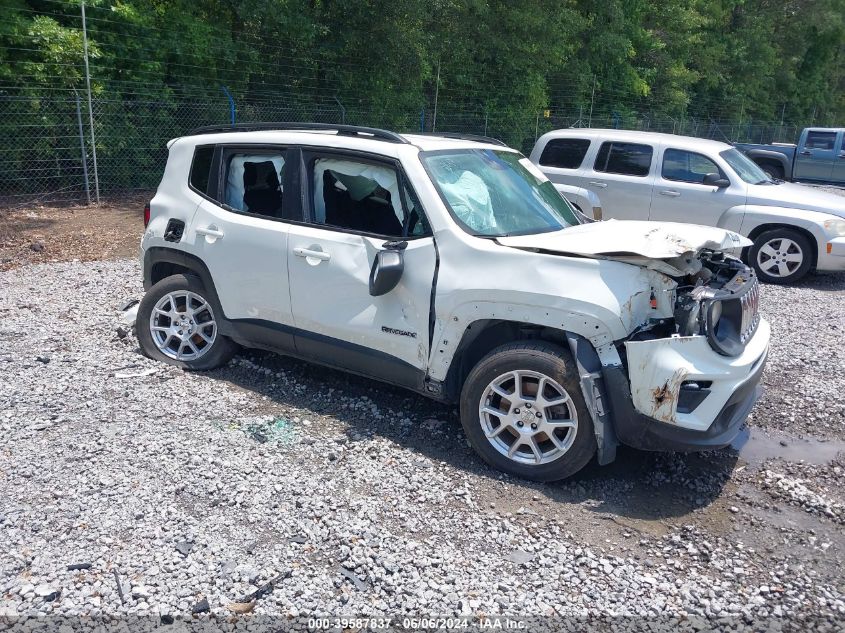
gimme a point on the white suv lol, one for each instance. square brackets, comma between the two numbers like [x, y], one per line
[452, 267]
[629, 175]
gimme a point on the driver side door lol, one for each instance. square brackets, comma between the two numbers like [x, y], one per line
[356, 206]
[680, 194]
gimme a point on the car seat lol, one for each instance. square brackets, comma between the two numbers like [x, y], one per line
[262, 190]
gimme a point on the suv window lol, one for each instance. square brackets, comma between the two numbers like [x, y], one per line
[567, 153]
[416, 223]
[254, 182]
[359, 196]
[686, 166]
[630, 159]
[820, 140]
[201, 167]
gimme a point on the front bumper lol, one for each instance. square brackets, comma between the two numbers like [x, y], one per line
[645, 410]
[834, 260]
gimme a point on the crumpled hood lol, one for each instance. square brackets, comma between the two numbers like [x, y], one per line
[631, 239]
[788, 194]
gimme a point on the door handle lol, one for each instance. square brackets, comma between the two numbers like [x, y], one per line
[600, 185]
[670, 194]
[305, 252]
[806, 152]
[210, 231]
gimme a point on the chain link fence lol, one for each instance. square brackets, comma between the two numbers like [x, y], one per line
[46, 140]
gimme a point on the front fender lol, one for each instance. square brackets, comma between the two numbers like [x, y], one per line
[732, 218]
[756, 216]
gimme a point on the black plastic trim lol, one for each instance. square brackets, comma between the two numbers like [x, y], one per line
[689, 399]
[595, 395]
[329, 352]
[342, 130]
[160, 255]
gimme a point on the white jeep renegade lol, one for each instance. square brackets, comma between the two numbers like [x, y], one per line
[452, 267]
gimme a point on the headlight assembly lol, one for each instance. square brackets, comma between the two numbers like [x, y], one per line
[835, 227]
[714, 313]
[723, 321]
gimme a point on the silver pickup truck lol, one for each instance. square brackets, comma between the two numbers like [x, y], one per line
[819, 156]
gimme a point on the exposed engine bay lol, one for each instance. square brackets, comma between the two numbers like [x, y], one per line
[717, 296]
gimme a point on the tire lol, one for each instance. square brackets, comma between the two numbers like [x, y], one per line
[547, 460]
[772, 171]
[775, 256]
[199, 342]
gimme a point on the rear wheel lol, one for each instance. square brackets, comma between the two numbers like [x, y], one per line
[523, 412]
[177, 323]
[781, 256]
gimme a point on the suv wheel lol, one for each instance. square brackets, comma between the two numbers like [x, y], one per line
[523, 412]
[781, 256]
[176, 324]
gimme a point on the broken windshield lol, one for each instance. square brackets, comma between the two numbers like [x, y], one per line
[493, 193]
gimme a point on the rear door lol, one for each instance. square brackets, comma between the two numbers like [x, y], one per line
[814, 158]
[622, 176]
[241, 233]
[680, 194]
[356, 205]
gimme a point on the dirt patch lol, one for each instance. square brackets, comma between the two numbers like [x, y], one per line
[39, 234]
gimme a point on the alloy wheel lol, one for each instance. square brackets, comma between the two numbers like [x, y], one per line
[528, 417]
[780, 257]
[182, 325]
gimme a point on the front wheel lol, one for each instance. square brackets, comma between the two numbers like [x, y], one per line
[781, 256]
[177, 324]
[523, 412]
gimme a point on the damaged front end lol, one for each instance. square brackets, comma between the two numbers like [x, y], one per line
[689, 381]
[692, 361]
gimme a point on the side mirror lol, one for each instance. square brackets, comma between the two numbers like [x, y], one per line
[716, 180]
[387, 269]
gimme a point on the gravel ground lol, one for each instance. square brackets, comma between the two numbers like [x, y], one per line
[177, 492]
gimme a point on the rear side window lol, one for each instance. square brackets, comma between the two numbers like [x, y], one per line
[254, 183]
[820, 140]
[566, 153]
[201, 167]
[630, 159]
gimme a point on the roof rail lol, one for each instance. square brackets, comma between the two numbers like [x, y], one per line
[342, 130]
[478, 138]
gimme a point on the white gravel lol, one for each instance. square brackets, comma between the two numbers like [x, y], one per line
[365, 499]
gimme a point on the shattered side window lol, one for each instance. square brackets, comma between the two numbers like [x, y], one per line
[358, 196]
[254, 183]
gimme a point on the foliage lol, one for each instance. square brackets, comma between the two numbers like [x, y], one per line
[488, 65]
